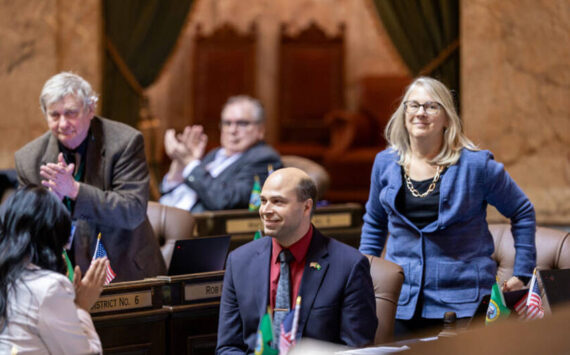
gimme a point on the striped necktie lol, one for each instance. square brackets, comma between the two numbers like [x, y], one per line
[283, 297]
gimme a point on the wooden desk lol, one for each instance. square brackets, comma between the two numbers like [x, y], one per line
[163, 315]
[340, 221]
[142, 332]
[510, 336]
[193, 302]
[193, 328]
[130, 319]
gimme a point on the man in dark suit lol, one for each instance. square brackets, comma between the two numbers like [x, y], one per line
[332, 279]
[98, 169]
[223, 179]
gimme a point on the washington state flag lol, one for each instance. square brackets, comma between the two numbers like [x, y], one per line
[497, 307]
[254, 199]
[265, 337]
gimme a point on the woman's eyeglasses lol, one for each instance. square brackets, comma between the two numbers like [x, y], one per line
[430, 107]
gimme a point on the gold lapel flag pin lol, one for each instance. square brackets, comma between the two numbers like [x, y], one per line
[315, 265]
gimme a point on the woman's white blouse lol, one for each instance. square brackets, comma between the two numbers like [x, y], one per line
[44, 319]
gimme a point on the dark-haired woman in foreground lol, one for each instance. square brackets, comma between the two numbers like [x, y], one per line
[429, 190]
[41, 311]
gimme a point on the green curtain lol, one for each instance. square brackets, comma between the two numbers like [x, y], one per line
[422, 30]
[143, 33]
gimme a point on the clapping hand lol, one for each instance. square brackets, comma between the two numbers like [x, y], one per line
[59, 178]
[88, 288]
[195, 140]
[184, 148]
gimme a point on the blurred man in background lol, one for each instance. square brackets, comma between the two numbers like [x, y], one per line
[223, 178]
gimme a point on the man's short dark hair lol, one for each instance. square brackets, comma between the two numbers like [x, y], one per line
[306, 189]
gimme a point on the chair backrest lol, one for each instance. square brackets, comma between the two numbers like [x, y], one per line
[311, 83]
[169, 225]
[380, 96]
[387, 278]
[224, 66]
[552, 249]
[316, 171]
[552, 252]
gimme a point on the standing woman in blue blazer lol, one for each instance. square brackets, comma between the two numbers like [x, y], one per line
[429, 190]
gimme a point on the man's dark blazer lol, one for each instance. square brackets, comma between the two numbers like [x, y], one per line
[337, 305]
[112, 198]
[232, 188]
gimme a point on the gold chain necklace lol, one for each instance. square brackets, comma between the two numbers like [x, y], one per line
[431, 187]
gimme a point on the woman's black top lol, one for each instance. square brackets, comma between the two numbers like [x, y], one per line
[421, 211]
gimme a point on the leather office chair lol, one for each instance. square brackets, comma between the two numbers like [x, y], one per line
[552, 249]
[552, 252]
[169, 224]
[387, 278]
[319, 175]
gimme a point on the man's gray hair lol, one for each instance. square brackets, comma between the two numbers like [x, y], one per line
[66, 83]
[256, 107]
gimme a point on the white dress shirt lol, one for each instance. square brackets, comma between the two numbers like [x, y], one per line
[44, 319]
[183, 196]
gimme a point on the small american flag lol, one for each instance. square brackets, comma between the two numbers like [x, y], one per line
[100, 252]
[534, 303]
[289, 329]
[530, 305]
[520, 306]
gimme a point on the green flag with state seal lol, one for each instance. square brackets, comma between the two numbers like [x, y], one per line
[265, 336]
[497, 306]
[255, 199]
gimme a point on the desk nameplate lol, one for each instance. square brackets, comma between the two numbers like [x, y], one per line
[122, 301]
[332, 220]
[243, 225]
[321, 221]
[204, 290]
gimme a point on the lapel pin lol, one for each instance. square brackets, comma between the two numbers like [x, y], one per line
[315, 265]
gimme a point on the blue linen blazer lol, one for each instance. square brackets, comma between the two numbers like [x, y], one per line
[448, 260]
[338, 302]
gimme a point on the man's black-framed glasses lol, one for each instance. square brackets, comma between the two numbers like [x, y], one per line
[242, 124]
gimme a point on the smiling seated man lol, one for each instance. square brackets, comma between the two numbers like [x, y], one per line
[333, 279]
[223, 179]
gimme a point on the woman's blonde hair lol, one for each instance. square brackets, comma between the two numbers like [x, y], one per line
[453, 136]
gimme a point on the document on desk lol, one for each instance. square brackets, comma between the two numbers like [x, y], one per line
[397, 347]
[379, 350]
